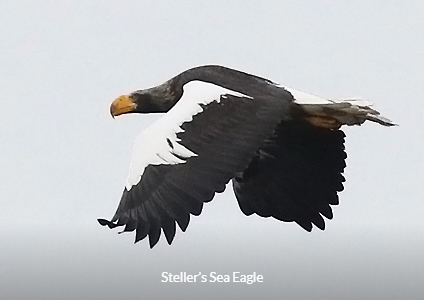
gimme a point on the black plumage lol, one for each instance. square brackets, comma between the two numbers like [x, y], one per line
[295, 175]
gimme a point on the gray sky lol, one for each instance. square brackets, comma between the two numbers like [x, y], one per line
[64, 160]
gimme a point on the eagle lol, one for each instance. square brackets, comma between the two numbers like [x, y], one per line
[282, 149]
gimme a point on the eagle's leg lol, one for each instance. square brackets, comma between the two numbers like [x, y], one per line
[324, 122]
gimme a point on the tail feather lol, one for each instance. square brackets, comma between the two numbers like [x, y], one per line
[381, 120]
[348, 111]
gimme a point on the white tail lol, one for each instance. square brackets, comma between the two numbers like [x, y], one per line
[346, 111]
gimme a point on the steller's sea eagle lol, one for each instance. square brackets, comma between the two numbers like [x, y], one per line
[281, 148]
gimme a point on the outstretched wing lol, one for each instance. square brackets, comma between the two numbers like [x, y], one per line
[295, 175]
[211, 148]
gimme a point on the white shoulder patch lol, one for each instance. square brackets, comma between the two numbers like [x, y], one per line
[304, 98]
[158, 143]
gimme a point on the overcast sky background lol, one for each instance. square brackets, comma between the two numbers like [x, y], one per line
[64, 160]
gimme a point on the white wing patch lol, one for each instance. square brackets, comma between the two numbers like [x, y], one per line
[304, 98]
[158, 144]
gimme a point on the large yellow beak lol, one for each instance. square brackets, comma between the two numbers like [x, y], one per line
[122, 105]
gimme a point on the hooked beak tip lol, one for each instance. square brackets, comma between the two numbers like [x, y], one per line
[122, 105]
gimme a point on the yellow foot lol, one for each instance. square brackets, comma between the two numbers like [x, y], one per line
[324, 122]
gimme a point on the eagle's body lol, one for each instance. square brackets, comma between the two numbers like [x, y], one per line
[282, 148]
